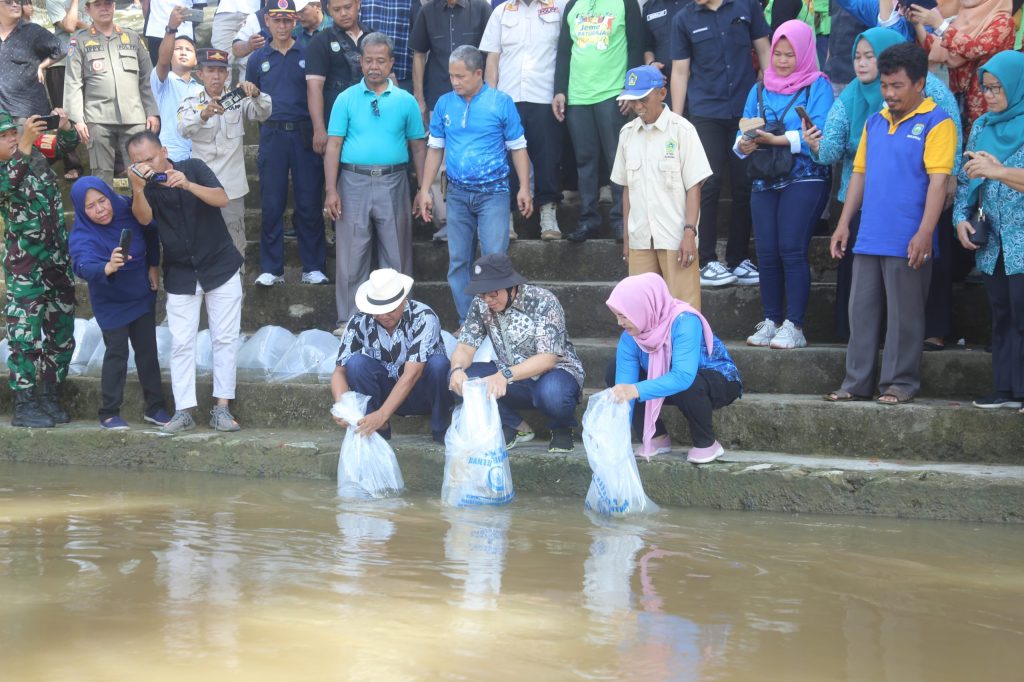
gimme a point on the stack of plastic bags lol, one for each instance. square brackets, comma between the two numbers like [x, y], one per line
[274, 354]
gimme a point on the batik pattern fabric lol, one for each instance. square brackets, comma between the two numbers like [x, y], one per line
[417, 338]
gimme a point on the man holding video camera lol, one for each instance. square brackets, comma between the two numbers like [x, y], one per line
[40, 308]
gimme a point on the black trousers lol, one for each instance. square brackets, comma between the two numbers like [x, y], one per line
[709, 391]
[1006, 298]
[55, 88]
[717, 136]
[544, 140]
[142, 333]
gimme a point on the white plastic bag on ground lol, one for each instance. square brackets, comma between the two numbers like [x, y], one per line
[485, 353]
[87, 335]
[95, 366]
[615, 489]
[476, 470]
[367, 467]
[261, 353]
[204, 353]
[306, 356]
[163, 347]
[5, 351]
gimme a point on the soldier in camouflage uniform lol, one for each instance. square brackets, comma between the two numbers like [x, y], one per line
[40, 302]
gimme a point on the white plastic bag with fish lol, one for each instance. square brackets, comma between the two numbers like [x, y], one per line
[367, 467]
[476, 470]
[615, 488]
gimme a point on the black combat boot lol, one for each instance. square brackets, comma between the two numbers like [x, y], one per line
[28, 413]
[48, 397]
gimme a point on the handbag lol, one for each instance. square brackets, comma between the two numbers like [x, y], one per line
[982, 226]
[771, 162]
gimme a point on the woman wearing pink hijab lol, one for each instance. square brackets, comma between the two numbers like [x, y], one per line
[667, 353]
[785, 209]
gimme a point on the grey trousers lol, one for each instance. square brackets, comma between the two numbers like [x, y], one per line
[104, 139]
[375, 211]
[234, 219]
[886, 283]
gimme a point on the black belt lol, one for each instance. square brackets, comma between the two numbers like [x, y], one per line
[374, 171]
[285, 125]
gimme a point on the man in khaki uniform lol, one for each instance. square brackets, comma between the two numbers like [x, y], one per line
[661, 166]
[106, 88]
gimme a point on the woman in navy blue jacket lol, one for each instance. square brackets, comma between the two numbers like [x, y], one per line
[122, 289]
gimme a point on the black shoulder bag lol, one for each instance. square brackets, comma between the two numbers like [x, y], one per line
[771, 162]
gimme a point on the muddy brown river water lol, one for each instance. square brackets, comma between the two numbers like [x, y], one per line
[119, 575]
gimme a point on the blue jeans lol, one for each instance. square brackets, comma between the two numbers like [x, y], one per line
[429, 395]
[473, 218]
[555, 394]
[784, 221]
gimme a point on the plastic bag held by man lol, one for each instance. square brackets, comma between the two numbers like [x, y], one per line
[367, 467]
[476, 470]
[615, 489]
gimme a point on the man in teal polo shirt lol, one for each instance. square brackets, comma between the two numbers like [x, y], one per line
[373, 125]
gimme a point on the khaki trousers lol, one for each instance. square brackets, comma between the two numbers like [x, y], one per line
[683, 283]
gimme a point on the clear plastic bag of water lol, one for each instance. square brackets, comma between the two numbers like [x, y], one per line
[476, 469]
[262, 352]
[615, 488]
[306, 356]
[367, 467]
[87, 336]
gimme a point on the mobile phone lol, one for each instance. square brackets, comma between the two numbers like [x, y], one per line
[52, 121]
[802, 113]
[750, 134]
[196, 16]
[926, 4]
[125, 242]
[151, 176]
[230, 99]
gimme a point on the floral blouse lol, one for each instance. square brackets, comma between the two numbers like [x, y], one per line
[963, 79]
[533, 324]
[1005, 209]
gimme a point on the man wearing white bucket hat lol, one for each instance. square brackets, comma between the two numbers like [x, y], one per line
[391, 350]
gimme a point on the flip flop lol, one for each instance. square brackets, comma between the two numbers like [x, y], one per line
[72, 175]
[843, 397]
[896, 400]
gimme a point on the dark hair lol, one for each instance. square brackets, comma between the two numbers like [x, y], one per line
[177, 38]
[907, 56]
[143, 136]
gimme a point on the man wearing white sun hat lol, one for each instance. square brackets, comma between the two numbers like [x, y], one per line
[391, 350]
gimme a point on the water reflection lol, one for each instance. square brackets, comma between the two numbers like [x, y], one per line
[365, 529]
[475, 547]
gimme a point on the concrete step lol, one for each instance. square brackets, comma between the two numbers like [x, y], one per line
[740, 480]
[733, 311]
[925, 430]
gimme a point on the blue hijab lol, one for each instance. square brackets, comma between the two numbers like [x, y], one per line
[1001, 134]
[121, 206]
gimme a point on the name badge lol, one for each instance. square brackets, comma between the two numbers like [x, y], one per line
[657, 15]
[547, 10]
[335, 47]
[264, 67]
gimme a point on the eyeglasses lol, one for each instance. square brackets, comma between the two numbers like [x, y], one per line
[992, 89]
[376, 107]
[11, 3]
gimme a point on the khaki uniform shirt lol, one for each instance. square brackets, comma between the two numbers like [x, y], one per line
[218, 141]
[107, 79]
[658, 163]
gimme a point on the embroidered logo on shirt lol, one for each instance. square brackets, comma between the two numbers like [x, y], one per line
[335, 47]
[302, 63]
[125, 39]
[670, 149]
[477, 270]
[99, 65]
[917, 129]
[447, 120]
[264, 67]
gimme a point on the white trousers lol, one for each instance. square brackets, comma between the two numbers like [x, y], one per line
[224, 312]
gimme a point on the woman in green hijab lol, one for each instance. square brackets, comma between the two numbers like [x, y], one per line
[994, 177]
[837, 142]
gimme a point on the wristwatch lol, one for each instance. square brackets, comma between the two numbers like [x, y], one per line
[941, 30]
[507, 373]
[453, 370]
[168, 29]
[689, 226]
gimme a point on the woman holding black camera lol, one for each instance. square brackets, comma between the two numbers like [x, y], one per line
[119, 258]
[992, 179]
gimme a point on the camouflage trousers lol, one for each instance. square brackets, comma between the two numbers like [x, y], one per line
[40, 315]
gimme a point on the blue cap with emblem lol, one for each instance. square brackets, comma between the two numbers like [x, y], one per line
[640, 81]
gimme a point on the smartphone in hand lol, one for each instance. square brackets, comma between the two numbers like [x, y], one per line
[804, 116]
[196, 16]
[52, 121]
[125, 242]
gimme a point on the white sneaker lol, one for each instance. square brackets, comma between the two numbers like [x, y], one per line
[512, 236]
[549, 230]
[763, 334]
[314, 277]
[746, 273]
[714, 274]
[788, 336]
[269, 280]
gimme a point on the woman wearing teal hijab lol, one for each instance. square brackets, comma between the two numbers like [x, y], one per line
[837, 141]
[994, 176]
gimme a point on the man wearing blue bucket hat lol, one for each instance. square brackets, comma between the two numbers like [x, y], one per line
[661, 166]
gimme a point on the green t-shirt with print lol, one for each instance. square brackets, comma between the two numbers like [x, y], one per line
[597, 66]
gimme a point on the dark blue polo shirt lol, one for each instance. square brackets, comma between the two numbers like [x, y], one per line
[658, 16]
[719, 46]
[283, 77]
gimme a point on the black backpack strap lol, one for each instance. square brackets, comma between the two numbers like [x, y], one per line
[792, 101]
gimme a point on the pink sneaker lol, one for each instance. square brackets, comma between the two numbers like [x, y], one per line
[705, 455]
[660, 445]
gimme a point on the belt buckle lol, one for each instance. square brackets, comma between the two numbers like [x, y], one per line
[376, 172]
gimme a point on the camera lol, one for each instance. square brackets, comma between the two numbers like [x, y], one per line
[151, 176]
[230, 99]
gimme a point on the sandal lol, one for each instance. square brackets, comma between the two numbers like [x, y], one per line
[72, 174]
[844, 397]
[889, 398]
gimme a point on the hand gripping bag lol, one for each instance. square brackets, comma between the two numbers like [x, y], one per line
[367, 467]
[615, 488]
[476, 470]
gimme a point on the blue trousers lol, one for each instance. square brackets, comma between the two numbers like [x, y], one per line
[282, 151]
[555, 394]
[429, 395]
[473, 218]
[784, 221]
